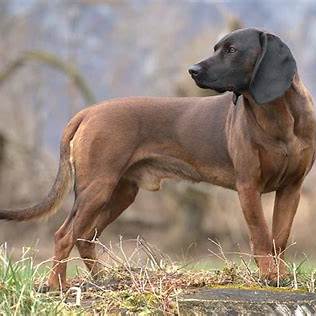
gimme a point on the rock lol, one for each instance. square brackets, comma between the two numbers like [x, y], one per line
[224, 301]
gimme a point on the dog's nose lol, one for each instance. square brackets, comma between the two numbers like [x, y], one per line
[194, 70]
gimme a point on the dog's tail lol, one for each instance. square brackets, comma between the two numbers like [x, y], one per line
[62, 185]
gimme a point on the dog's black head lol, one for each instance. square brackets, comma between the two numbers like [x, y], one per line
[247, 60]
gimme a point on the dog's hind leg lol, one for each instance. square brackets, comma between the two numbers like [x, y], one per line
[122, 197]
[99, 161]
[89, 203]
[63, 246]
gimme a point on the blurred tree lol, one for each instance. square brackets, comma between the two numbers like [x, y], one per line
[52, 61]
[3, 142]
[20, 148]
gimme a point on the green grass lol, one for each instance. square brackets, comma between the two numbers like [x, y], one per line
[17, 288]
[144, 281]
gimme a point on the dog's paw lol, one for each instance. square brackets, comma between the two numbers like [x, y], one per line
[43, 288]
[284, 282]
[46, 287]
[275, 277]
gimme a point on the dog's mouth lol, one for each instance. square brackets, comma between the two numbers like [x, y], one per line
[202, 85]
[209, 85]
[200, 82]
[230, 88]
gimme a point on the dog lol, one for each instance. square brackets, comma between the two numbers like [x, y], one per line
[257, 137]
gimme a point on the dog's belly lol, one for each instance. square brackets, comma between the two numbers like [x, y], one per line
[148, 173]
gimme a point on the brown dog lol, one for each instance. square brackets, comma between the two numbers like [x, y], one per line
[263, 143]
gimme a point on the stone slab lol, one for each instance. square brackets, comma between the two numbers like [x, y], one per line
[230, 301]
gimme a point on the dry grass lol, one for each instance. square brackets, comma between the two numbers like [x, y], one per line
[136, 277]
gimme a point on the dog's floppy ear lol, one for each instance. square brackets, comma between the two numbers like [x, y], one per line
[274, 70]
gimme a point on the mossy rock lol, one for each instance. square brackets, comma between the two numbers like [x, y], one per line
[224, 301]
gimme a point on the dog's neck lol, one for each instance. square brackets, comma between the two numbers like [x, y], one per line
[284, 117]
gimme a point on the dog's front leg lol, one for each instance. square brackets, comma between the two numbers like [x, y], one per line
[260, 239]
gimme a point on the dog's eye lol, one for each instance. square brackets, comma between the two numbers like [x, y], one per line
[231, 50]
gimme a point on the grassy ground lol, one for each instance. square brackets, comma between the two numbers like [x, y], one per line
[137, 279]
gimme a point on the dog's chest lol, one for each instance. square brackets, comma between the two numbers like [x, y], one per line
[283, 163]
